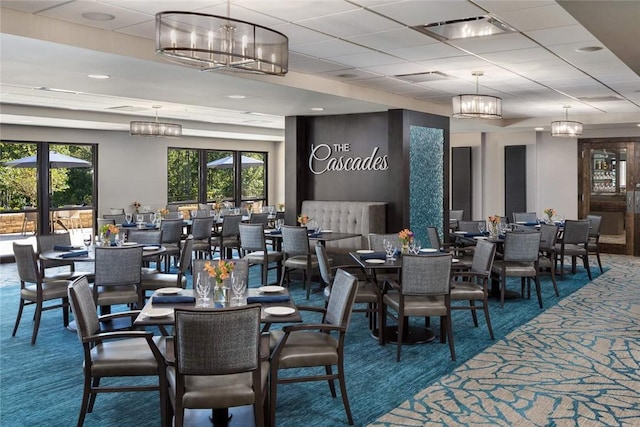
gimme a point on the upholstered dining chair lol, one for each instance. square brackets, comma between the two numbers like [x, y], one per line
[259, 218]
[229, 236]
[594, 238]
[472, 285]
[47, 242]
[218, 362]
[171, 240]
[114, 354]
[36, 289]
[376, 241]
[151, 281]
[574, 244]
[151, 237]
[309, 345]
[519, 259]
[367, 293]
[201, 229]
[471, 226]
[101, 222]
[119, 218]
[547, 254]
[455, 216]
[528, 217]
[423, 291]
[253, 246]
[118, 276]
[297, 255]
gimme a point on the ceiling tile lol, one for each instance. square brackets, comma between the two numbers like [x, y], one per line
[327, 48]
[293, 11]
[240, 13]
[366, 59]
[72, 12]
[299, 35]
[32, 6]
[315, 66]
[497, 43]
[349, 24]
[537, 18]
[563, 35]
[510, 5]
[392, 39]
[155, 6]
[425, 52]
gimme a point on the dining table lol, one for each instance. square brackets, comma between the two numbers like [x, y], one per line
[375, 263]
[322, 236]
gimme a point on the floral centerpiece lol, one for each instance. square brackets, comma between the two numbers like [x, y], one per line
[405, 236]
[161, 213]
[494, 221]
[108, 234]
[281, 207]
[136, 206]
[549, 212]
[303, 220]
[220, 272]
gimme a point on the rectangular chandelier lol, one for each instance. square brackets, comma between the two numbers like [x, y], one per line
[566, 128]
[170, 130]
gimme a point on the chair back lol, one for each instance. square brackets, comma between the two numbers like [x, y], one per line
[173, 215]
[341, 299]
[295, 240]
[83, 307]
[376, 241]
[230, 224]
[46, 242]
[173, 208]
[470, 226]
[521, 246]
[185, 255]
[201, 213]
[548, 237]
[425, 275]
[483, 256]
[252, 237]
[116, 211]
[217, 342]
[434, 238]
[323, 264]
[576, 232]
[117, 218]
[118, 266]
[456, 214]
[201, 227]
[259, 218]
[27, 263]
[101, 222]
[171, 230]
[525, 217]
[596, 222]
[145, 237]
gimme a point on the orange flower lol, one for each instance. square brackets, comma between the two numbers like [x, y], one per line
[221, 271]
[494, 219]
[303, 219]
[405, 236]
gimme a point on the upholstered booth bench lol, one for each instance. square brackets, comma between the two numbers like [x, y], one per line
[347, 217]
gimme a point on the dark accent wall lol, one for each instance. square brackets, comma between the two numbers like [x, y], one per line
[461, 181]
[515, 180]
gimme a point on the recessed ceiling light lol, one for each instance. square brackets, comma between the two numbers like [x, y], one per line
[237, 96]
[99, 76]
[98, 16]
[587, 49]
[539, 129]
[477, 26]
[316, 109]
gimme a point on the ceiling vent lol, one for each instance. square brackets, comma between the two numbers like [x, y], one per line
[429, 76]
[607, 98]
[477, 26]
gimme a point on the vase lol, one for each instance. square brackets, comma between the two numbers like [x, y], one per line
[493, 230]
[221, 292]
[405, 248]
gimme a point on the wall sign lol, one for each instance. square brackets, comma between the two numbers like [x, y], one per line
[331, 157]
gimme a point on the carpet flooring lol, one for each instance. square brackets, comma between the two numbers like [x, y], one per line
[41, 384]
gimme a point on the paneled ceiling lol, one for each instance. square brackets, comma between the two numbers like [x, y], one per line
[346, 56]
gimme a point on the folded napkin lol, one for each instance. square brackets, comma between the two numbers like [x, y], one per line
[318, 234]
[264, 299]
[150, 225]
[74, 254]
[64, 248]
[173, 299]
[132, 224]
[375, 255]
[500, 236]
[275, 232]
[476, 234]
[530, 224]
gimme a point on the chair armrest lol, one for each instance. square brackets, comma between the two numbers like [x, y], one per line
[117, 335]
[265, 351]
[129, 313]
[310, 308]
[389, 284]
[169, 352]
[469, 274]
[312, 327]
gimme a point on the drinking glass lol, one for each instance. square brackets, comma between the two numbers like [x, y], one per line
[279, 223]
[87, 240]
[194, 214]
[153, 217]
[128, 217]
[481, 227]
[390, 248]
[139, 218]
[238, 285]
[203, 287]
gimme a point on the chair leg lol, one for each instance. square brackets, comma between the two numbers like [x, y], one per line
[503, 284]
[485, 306]
[332, 386]
[400, 335]
[599, 262]
[65, 312]
[585, 260]
[552, 272]
[343, 389]
[273, 392]
[537, 280]
[36, 324]
[94, 393]
[450, 334]
[473, 312]
[15, 328]
[85, 399]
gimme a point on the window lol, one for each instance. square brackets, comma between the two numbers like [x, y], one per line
[182, 175]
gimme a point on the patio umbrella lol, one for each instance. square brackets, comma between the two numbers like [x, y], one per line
[56, 160]
[227, 162]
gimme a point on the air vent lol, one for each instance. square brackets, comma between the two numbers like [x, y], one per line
[128, 108]
[429, 76]
[607, 98]
[477, 26]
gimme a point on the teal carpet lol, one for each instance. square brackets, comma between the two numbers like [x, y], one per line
[42, 384]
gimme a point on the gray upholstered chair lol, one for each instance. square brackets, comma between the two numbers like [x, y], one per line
[254, 249]
[117, 218]
[151, 281]
[114, 354]
[217, 361]
[455, 216]
[472, 285]
[171, 240]
[151, 237]
[519, 259]
[367, 294]
[315, 345]
[101, 222]
[117, 277]
[47, 242]
[547, 255]
[574, 241]
[594, 238]
[297, 255]
[471, 226]
[259, 218]
[528, 217]
[201, 229]
[173, 215]
[35, 289]
[423, 291]
[229, 237]
[376, 241]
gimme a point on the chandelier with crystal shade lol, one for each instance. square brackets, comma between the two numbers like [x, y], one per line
[156, 128]
[476, 106]
[566, 128]
[211, 42]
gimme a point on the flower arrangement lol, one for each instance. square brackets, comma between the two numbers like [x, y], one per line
[220, 271]
[303, 219]
[494, 220]
[281, 207]
[136, 206]
[108, 232]
[405, 236]
[550, 212]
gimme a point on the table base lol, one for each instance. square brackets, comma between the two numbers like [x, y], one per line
[412, 335]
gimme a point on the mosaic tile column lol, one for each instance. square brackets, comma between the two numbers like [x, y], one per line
[426, 180]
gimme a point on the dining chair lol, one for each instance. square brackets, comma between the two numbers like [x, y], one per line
[253, 246]
[117, 276]
[259, 218]
[201, 230]
[471, 226]
[101, 222]
[519, 259]
[529, 217]
[547, 252]
[297, 255]
[376, 241]
[594, 238]
[173, 215]
[171, 240]
[423, 291]
[218, 362]
[229, 236]
[152, 237]
[367, 292]
[435, 243]
[30, 218]
[151, 281]
[455, 216]
[48, 242]
[472, 285]
[114, 354]
[574, 243]
[316, 345]
[36, 289]
[116, 211]
[118, 219]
